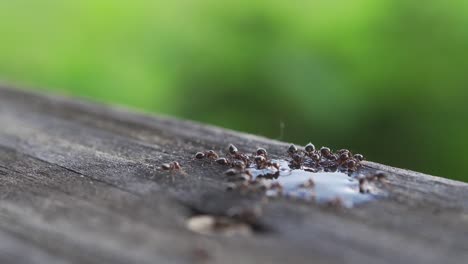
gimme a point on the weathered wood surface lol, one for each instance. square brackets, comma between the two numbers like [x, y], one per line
[78, 184]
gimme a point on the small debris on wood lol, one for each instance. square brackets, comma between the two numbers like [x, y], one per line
[218, 225]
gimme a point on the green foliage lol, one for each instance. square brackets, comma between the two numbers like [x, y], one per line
[387, 78]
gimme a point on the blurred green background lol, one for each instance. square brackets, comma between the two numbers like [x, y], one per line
[386, 78]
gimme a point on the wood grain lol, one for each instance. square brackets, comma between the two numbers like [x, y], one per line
[79, 184]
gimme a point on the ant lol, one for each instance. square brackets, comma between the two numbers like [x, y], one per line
[236, 175]
[210, 154]
[171, 166]
[296, 160]
[222, 161]
[263, 163]
[292, 150]
[262, 152]
[260, 161]
[326, 153]
[316, 157]
[275, 165]
[232, 172]
[359, 157]
[240, 177]
[232, 149]
[234, 152]
[312, 153]
[238, 164]
[309, 148]
[352, 164]
[344, 155]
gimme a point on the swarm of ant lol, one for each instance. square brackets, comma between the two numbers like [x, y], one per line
[253, 172]
[309, 159]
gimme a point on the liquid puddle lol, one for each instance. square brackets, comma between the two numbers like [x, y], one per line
[322, 187]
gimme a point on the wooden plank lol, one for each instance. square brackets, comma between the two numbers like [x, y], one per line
[79, 183]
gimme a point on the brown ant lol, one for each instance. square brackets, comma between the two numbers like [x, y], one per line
[296, 160]
[232, 172]
[309, 148]
[240, 177]
[210, 154]
[342, 151]
[292, 150]
[326, 153]
[238, 164]
[222, 161]
[236, 175]
[359, 157]
[269, 175]
[260, 161]
[352, 164]
[315, 157]
[344, 156]
[236, 171]
[234, 152]
[275, 165]
[263, 163]
[232, 149]
[329, 165]
[262, 152]
[171, 166]
[200, 155]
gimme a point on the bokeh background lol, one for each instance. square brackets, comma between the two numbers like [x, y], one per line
[386, 78]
